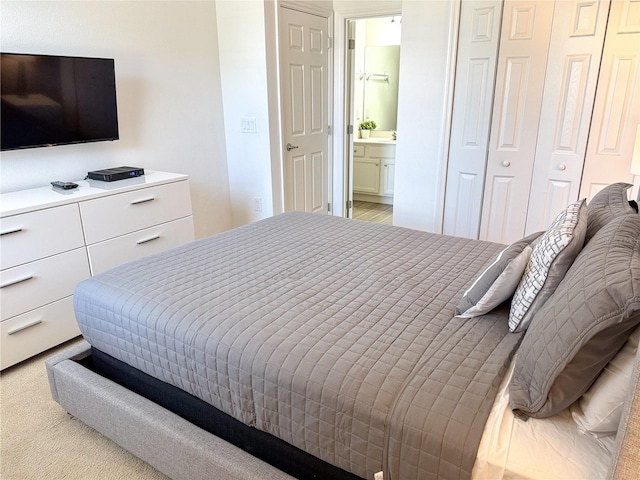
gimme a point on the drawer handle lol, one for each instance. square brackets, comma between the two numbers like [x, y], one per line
[142, 200]
[150, 239]
[14, 282]
[15, 230]
[24, 327]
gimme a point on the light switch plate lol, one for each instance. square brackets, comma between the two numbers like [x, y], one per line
[248, 125]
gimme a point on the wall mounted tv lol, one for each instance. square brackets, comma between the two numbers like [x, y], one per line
[55, 100]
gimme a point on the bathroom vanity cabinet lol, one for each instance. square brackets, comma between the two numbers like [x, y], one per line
[374, 170]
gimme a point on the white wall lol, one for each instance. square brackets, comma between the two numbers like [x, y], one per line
[428, 46]
[168, 89]
[243, 71]
[180, 63]
[381, 31]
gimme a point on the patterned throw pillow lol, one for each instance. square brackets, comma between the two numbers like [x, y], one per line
[498, 281]
[549, 262]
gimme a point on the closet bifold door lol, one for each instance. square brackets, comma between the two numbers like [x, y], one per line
[478, 40]
[575, 51]
[522, 61]
[616, 113]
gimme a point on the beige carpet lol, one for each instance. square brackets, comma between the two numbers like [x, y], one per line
[40, 441]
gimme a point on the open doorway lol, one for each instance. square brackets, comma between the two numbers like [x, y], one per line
[372, 82]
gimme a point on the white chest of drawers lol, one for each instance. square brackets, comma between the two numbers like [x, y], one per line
[53, 239]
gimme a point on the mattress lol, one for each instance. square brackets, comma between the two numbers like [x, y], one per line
[336, 336]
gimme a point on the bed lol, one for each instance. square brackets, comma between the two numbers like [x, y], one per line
[320, 347]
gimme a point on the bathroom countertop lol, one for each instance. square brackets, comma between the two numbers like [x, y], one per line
[382, 140]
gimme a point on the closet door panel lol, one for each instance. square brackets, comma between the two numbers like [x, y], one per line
[577, 37]
[557, 196]
[475, 81]
[526, 30]
[617, 105]
[504, 212]
[463, 221]
[510, 121]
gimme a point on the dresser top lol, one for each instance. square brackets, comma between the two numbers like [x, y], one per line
[23, 201]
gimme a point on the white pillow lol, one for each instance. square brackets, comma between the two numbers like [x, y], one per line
[599, 410]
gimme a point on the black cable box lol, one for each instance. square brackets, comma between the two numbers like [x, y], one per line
[113, 174]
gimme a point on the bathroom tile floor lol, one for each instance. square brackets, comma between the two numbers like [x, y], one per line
[373, 212]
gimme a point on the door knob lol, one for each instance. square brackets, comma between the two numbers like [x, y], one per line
[562, 167]
[506, 163]
[291, 147]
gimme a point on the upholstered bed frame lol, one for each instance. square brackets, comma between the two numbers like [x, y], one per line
[180, 449]
[626, 461]
[145, 429]
[154, 434]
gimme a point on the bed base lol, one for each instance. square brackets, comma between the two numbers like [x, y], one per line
[169, 443]
[182, 450]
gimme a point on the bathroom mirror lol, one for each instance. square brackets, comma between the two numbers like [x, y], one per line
[380, 84]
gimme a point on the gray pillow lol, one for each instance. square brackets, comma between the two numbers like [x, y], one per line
[606, 205]
[551, 258]
[583, 325]
[499, 280]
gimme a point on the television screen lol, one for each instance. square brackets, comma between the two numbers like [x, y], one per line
[55, 100]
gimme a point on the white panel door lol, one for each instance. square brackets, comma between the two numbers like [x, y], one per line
[304, 76]
[617, 107]
[524, 44]
[478, 41]
[577, 37]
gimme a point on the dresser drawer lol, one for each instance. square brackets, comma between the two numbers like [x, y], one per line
[34, 284]
[116, 215]
[39, 234]
[358, 150]
[36, 331]
[114, 252]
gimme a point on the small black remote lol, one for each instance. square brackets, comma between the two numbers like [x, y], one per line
[64, 185]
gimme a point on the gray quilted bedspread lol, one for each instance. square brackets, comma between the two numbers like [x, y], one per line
[337, 336]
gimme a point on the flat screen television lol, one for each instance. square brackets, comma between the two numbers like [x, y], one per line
[56, 100]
